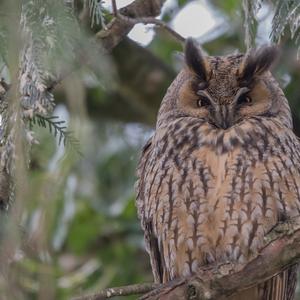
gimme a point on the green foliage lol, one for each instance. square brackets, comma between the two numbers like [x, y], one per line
[80, 232]
[230, 6]
[52, 36]
[53, 30]
[3, 47]
[181, 3]
[251, 8]
[58, 129]
[286, 15]
[96, 12]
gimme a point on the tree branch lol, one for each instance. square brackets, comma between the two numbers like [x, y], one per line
[117, 29]
[146, 20]
[139, 11]
[281, 250]
[134, 289]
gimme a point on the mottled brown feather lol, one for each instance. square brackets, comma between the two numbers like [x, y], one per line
[195, 60]
[256, 63]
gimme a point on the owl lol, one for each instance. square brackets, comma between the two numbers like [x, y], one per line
[221, 170]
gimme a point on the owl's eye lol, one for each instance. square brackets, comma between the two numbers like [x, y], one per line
[203, 101]
[244, 99]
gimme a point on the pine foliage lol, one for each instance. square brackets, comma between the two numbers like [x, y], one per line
[250, 8]
[96, 12]
[58, 129]
[52, 35]
[50, 39]
[3, 48]
[286, 17]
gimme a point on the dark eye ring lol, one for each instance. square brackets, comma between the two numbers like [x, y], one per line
[203, 101]
[244, 99]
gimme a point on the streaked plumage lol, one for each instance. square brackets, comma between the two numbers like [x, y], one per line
[221, 170]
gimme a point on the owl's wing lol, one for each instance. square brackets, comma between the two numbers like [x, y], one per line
[151, 241]
[141, 179]
[156, 258]
[281, 286]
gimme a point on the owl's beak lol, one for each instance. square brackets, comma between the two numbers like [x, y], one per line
[224, 124]
[223, 117]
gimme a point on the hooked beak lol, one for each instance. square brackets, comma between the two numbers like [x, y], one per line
[224, 117]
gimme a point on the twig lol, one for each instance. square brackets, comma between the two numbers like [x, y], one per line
[135, 289]
[164, 289]
[154, 21]
[114, 7]
[146, 20]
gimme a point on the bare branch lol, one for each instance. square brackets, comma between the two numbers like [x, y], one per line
[117, 29]
[146, 20]
[115, 8]
[281, 250]
[134, 289]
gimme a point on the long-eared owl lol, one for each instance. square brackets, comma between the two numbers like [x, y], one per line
[221, 170]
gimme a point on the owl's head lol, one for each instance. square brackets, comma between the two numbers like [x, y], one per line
[225, 90]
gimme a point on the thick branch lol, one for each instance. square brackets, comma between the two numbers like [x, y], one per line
[281, 250]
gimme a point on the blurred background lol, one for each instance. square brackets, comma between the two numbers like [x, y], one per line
[79, 231]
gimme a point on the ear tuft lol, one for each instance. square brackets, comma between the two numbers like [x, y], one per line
[195, 59]
[257, 62]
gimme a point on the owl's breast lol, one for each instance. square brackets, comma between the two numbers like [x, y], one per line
[212, 204]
